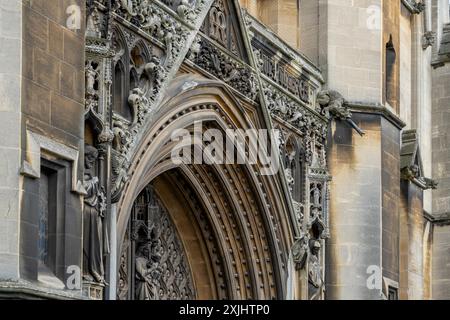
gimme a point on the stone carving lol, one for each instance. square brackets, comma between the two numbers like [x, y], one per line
[139, 104]
[413, 173]
[93, 23]
[316, 219]
[222, 66]
[148, 272]
[123, 284]
[428, 39]
[411, 163]
[414, 6]
[104, 140]
[92, 86]
[153, 20]
[128, 6]
[315, 277]
[95, 240]
[300, 251]
[290, 179]
[156, 73]
[333, 105]
[171, 33]
[195, 48]
[281, 74]
[185, 10]
[313, 128]
[159, 262]
[218, 22]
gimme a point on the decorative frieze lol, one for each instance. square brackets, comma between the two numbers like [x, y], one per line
[219, 64]
[292, 112]
[283, 75]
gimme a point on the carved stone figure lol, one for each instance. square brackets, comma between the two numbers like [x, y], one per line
[315, 271]
[91, 76]
[169, 32]
[94, 237]
[290, 179]
[315, 195]
[155, 73]
[184, 10]
[128, 6]
[300, 252]
[151, 22]
[195, 48]
[139, 104]
[147, 274]
[121, 136]
[333, 105]
[428, 39]
[411, 172]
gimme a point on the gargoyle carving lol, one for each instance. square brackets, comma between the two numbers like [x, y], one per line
[333, 105]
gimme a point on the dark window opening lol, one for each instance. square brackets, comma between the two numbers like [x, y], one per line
[48, 210]
[392, 293]
[120, 103]
[391, 79]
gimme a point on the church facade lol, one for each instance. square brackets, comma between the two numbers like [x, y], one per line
[225, 149]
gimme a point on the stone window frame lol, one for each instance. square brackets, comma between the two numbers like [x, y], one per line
[42, 152]
[388, 284]
[59, 168]
[37, 145]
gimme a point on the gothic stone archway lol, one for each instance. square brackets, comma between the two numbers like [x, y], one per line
[232, 222]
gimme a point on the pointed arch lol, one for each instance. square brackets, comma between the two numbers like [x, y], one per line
[247, 212]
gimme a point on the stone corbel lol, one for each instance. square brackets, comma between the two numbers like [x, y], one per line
[413, 6]
[36, 145]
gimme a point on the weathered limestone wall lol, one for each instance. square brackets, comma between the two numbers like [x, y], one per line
[441, 139]
[412, 227]
[10, 101]
[355, 209]
[428, 259]
[344, 38]
[406, 68]
[281, 16]
[441, 159]
[52, 107]
[312, 27]
[390, 170]
[391, 33]
[421, 97]
[441, 262]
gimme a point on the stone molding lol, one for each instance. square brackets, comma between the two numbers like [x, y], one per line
[36, 145]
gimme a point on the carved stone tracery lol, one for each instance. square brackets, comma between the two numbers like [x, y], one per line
[153, 263]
